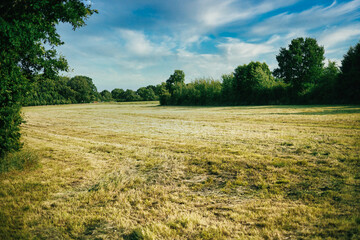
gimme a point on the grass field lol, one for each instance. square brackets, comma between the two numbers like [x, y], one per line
[142, 171]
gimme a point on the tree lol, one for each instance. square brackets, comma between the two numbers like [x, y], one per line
[301, 64]
[25, 27]
[85, 90]
[349, 81]
[105, 96]
[228, 93]
[325, 90]
[146, 93]
[130, 95]
[118, 94]
[250, 79]
[174, 79]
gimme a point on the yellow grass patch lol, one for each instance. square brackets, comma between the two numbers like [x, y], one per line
[142, 171]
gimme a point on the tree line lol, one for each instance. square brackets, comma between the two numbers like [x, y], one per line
[301, 78]
[80, 89]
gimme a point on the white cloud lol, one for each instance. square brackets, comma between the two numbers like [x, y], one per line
[317, 16]
[236, 50]
[201, 17]
[137, 44]
[330, 38]
[214, 13]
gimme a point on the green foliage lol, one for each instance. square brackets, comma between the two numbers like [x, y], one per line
[325, 90]
[25, 27]
[228, 92]
[301, 79]
[165, 95]
[250, 80]
[349, 81]
[10, 120]
[174, 80]
[199, 92]
[301, 64]
[63, 90]
[130, 95]
[149, 93]
[203, 92]
[84, 88]
[105, 96]
[118, 94]
[146, 93]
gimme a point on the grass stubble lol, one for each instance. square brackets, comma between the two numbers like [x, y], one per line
[141, 171]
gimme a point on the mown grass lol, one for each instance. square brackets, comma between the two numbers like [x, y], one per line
[141, 171]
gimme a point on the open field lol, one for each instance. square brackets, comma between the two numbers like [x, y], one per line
[142, 171]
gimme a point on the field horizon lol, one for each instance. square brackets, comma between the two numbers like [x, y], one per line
[144, 171]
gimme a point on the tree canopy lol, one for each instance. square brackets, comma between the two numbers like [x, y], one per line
[26, 27]
[177, 78]
[301, 63]
[349, 83]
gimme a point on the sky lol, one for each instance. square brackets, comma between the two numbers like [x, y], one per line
[135, 43]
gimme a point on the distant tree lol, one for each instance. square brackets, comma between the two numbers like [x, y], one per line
[131, 95]
[177, 78]
[85, 89]
[228, 91]
[65, 90]
[105, 96]
[250, 79]
[25, 27]
[349, 81]
[146, 94]
[325, 91]
[118, 94]
[301, 64]
[164, 95]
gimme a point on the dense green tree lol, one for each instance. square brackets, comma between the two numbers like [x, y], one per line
[249, 80]
[46, 91]
[349, 81]
[130, 95]
[228, 91]
[206, 92]
[25, 25]
[174, 80]
[85, 89]
[164, 95]
[156, 89]
[105, 96]
[325, 90]
[301, 64]
[118, 94]
[146, 94]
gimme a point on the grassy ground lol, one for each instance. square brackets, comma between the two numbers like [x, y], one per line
[142, 171]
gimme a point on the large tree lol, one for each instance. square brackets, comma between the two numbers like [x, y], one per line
[177, 78]
[85, 89]
[301, 64]
[26, 27]
[249, 80]
[349, 81]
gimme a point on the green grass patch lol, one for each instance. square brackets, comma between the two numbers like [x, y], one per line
[24, 159]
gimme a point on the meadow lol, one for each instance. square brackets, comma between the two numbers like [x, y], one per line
[144, 171]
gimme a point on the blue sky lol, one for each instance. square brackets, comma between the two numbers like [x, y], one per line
[135, 43]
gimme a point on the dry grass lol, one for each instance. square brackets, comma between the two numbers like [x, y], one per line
[141, 171]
